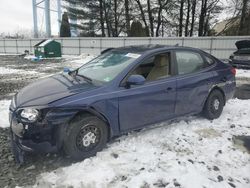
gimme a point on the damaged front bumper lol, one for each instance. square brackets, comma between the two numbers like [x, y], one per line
[30, 137]
[43, 136]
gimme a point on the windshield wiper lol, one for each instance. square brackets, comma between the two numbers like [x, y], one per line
[75, 73]
[84, 77]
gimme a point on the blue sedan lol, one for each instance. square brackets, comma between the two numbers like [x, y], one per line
[121, 90]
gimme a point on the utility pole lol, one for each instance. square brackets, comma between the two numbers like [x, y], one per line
[47, 17]
[59, 15]
[35, 19]
[45, 6]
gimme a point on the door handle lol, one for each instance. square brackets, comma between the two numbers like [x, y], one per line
[169, 89]
[224, 79]
[208, 81]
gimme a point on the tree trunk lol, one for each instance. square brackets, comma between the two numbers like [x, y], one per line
[206, 26]
[202, 17]
[127, 16]
[159, 20]
[151, 19]
[143, 16]
[181, 18]
[193, 17]
[101, 18]
[243, 17]
[187, 18]
[116, 20]
[107, 19]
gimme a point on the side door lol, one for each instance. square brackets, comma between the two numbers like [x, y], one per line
[194, 81]
[153, 101]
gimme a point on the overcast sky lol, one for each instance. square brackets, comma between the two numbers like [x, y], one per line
[17, 15]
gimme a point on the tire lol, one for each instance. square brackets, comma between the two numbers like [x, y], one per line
[214, 105]
[85, 136]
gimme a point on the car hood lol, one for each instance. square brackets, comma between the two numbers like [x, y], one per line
[242, 44]
[45, 91]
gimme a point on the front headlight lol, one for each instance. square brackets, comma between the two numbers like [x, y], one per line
[30, 114]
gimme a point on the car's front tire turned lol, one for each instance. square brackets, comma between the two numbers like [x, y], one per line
[85, 136]
[214, 105]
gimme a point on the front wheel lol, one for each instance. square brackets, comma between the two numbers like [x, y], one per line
[85, 137]
[214, 105]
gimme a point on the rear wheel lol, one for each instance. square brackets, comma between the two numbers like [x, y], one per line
[214, 105]
[85, 137]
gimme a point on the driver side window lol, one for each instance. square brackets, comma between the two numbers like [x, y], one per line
[154, 68]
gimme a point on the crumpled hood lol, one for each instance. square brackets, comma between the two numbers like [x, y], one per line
[45, 91]
[242, 44]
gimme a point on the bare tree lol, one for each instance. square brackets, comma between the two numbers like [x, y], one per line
[243, 17]
[181, 17]
[194, 2]
[127, 16]
[187, 18]
[151, 18]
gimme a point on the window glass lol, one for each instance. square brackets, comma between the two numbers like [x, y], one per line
[209, 60]
[107, 66]
[189, 62]
[154, 68]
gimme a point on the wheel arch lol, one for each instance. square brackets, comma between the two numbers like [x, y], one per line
[216, 87]
[92, 112]
[221, 90]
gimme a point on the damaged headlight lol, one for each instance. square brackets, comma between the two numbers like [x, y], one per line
[30, 114]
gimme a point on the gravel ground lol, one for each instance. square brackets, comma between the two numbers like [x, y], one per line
[16, 73]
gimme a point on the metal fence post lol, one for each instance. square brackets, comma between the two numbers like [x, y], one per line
[16, 47]
[4, 46]
[149, 40]
[211, 45]
[79, 45]
[100, 41]
[30, 45]
[124, 39]
[62, 46]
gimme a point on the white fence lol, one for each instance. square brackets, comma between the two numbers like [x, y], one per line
[220, 47]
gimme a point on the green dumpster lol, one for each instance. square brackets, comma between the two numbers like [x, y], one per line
[48, 48]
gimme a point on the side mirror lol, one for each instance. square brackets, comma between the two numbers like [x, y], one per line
[135, 79]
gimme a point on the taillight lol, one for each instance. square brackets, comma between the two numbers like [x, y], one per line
[233, 70]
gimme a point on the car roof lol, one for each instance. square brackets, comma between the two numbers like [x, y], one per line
[151, 47]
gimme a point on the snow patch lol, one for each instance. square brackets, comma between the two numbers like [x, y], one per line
[192, 152]
[5, 70]
[4, 113]
[241, 73]
[77, 61]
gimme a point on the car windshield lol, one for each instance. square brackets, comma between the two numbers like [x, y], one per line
[107, 66]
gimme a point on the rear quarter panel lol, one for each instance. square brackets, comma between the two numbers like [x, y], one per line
[224, 79]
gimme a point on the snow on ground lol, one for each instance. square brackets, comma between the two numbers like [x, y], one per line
[70, 60]
[193, 153]
[77, 61]
[5, 70]
[4, 113]
[241, 73]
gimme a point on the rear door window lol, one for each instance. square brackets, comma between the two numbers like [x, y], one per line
[189, 62]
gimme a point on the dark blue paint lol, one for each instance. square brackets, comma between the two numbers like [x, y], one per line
[60, 98]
